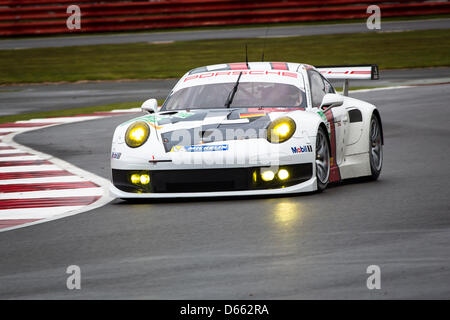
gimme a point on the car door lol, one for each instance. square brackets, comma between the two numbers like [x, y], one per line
[337, 116]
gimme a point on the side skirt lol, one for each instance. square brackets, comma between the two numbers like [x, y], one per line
[354, 166]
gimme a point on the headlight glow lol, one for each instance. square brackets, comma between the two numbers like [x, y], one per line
[280, 130]
[140, 178]
[135, 178]
[283, 174]
[137, 134]
[267, 175]
[144, 179]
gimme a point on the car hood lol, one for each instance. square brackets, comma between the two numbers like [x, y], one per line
[194, 127]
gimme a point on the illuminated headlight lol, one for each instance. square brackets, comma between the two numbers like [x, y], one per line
[267, 175]
[137, 134]
[144, 179]
[283, 174]
[281, 130]
[137, 178]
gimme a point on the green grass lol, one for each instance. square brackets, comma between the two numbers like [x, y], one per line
[69, 112]
[410, 49]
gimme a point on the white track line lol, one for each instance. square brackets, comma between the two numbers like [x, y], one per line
[60, 120]
[43, 180]
[36, 213]
[20, 158]
[133, 110]
[384, 88]
[43, 167]
[11, 151]
[79, 192]
[15, 129]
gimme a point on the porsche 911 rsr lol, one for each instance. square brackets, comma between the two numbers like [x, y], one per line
[249, 129]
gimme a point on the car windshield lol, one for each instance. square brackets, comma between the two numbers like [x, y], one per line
[248, 94]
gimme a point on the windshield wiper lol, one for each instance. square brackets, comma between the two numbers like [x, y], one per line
[233, 92]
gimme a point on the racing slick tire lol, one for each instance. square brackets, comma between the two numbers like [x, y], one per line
[322, 159]
[375, 148]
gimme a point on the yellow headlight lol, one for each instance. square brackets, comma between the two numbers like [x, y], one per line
[255, 176]
[267, 175]
[144, 179]
[138, 178]
[137, 134]
[283, 174]
[135, 178]
[281, 130]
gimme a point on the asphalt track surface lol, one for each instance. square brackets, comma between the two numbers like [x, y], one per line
[286, 31]
[47, 97]
[302, 246]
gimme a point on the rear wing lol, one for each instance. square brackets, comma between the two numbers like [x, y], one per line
[350, 72]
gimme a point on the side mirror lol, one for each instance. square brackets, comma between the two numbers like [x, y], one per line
[331, 100]
[150, 105]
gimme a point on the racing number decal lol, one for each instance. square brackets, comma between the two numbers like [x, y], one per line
[334, 169]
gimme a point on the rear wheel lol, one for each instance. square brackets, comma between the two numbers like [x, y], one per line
[322, 159]
[375, 148]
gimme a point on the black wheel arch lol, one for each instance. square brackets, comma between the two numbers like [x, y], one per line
[324, 127]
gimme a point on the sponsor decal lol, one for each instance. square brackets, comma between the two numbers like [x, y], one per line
[236, 73]
[200, 148]
[344, 72]
[204, 148]
[116, 155]
[302, 149]
[184, 115]
[252, 114]
[154, 126]
[150, 119]
[322, 115]
[153, 118]
[274, 109]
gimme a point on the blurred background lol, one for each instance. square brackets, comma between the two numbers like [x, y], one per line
[74, 57]
[53, 53]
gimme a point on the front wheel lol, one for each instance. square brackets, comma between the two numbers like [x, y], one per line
[322, 160]
[375, 148]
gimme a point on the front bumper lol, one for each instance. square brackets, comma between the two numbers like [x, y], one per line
[213, 182]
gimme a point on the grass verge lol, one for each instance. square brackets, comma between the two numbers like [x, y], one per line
[409, 49]
[70, 112]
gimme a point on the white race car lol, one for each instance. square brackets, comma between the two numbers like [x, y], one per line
[251, 128]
